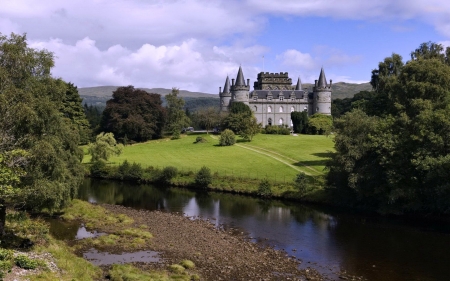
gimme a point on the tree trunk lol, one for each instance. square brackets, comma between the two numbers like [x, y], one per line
[2, 217]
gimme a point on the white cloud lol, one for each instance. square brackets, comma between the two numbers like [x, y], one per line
[191, 65]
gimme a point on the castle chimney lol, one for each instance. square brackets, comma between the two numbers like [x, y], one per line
[315, 83]
[331, 82]
[232, 82]
[220, 90]
[248, 82]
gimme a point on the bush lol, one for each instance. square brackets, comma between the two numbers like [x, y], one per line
[277, 130]
[176, 268]
[301, 183]
[25, 262]
[200, 140]
[187, 264]
[227, 138]
[99, 169]
[168, 173]
[203, 177]
[264, 188]
[130, 172]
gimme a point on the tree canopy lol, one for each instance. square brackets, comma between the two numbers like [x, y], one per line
[398, 159]
[133, 114]
[40, 158]
[176, 115]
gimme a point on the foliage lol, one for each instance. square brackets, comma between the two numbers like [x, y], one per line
[320, 124]
[227, 138]
[299, 121]
[25, 262]
[168, 173]
[207, 118]
[176, 116]
[203, 177]
[132, 172]
[187, 264]
[398, 161]
[104, 147]
[74, 112]
[133, 113]
[32, 106]
[264, 188]
[277, 130]
[301, 183]
[200, 140]
[241, 121]
[176, 268]
[94, 116]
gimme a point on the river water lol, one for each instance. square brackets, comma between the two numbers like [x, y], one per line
[328, 240]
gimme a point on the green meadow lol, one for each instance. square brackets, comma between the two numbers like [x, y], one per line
[275, 157]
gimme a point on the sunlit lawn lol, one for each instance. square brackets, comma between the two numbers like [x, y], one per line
[232, 160]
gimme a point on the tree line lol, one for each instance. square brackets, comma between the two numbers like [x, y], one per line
[393, 144]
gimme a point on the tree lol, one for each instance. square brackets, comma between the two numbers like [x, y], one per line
[320, 124]
[399, 161]
[40, 158]
[133, 113]
[74, 112]
[241, 121]
[208, 118]
[176, 116]
[104, 147]
[203, 177]
[227, 138]
[299, 121]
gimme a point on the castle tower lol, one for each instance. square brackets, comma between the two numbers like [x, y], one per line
[322, 95]
[239, 90]
[298, 87]
[225, 96]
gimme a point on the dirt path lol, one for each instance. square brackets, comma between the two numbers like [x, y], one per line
[218, 255]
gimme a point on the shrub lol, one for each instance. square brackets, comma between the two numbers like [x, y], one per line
[168, 173]
[301, 183]
[264, 188]
[126, 171]
[227, 138]
[25, 262]
[99, 169]
[277, 130]
[176, 268]
[200, 140]
[203, 177]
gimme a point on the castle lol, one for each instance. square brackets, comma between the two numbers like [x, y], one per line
[274, 97]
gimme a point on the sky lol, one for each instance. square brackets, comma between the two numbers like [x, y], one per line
[194, 44]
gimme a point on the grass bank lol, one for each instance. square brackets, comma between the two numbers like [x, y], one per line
[239, 168]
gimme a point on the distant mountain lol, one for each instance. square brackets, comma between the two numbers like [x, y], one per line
[99, 95]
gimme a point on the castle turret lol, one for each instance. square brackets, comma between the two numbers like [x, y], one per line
[239, 90]
[225, 95]
[322, 95]
[298, 87]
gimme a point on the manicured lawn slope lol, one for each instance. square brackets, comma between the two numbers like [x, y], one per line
[276, 157]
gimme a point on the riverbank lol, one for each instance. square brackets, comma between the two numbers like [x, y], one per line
[188, 250]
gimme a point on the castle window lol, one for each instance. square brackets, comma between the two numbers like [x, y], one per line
[281, 109]
[305, 109]
[255, 97]
[292, 109]
[269, 98]
[256, 108]
[269, 109]
[281, 121]
[281, 98]
[269, 122]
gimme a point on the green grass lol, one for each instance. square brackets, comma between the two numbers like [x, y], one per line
[275, 157]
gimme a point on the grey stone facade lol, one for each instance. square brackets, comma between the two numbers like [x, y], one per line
[274, 97]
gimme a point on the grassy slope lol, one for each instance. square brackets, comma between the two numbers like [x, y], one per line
[273, 156]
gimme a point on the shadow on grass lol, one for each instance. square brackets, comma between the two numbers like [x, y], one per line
[324, 154]
[311, 163]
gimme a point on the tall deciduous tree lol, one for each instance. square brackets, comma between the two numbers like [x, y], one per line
[32, 123]
[176, 115]
[105, 146]
[401, 162]
[134, 114]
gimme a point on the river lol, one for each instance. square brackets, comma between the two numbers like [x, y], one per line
[329, 240]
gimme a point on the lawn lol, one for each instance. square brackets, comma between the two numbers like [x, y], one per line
[275, 157]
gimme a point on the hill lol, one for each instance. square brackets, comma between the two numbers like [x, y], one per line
[99, 95]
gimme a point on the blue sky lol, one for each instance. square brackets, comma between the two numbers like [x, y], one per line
[195, 44]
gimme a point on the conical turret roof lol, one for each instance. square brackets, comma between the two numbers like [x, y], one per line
[226, 87]
[240, 78]
[322, 80]
[299, 84]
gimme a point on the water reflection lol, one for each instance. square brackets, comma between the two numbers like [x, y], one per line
[373, 247]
